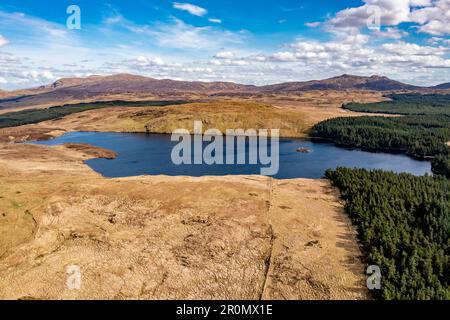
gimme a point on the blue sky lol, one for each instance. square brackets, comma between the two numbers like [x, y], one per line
[249, 41]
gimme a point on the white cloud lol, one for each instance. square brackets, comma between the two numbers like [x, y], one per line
[224, 55]
[8, 59]
[312, 24]
[39, 76]
[192, 9]
[435, 40]
[215, 20]
[391, 33]
[48, 75]
[391, 13]
[228, 62]
[26, 25]
[176, 34]
[113, 19]
[307, 59]
[285, 56]
[403, 48]
[257, 58]
[421, 3]
[36, 76]
[177, 50]
[432, 17]
[355, 54]
[3, 40]
[184, 36]
[146, 61]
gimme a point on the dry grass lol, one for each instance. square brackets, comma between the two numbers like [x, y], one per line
[294, 116]
[217, 114]
[229, 237]
[222, 115]
[237, 237]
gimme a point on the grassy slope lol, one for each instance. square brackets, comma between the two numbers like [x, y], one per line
[30, 116]
[221, 115]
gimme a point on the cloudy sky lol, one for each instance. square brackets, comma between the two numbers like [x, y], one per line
[252, 42]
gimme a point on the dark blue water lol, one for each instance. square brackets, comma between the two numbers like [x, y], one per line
[141, 154]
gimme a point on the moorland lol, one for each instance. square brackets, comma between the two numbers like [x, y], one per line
[229, 237]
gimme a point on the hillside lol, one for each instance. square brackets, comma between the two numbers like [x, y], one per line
[344, 82]
[134, 87]
[121, 83]
[294, 118]
[115, 87]
[443, 86]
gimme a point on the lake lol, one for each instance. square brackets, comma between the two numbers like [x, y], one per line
[150, 154]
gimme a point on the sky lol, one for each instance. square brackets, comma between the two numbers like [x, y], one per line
[247, 41]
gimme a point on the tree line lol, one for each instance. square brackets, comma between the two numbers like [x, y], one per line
[421, 136]
[403, 224]
[406, 104]
[403, 221]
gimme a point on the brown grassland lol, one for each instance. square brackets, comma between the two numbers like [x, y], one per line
[157, 237]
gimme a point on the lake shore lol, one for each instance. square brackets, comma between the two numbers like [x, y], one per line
[136, 236]
[142, 154]
[159, 237]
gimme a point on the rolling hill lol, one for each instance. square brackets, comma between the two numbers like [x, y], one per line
[120, 86]
[443, 86]
[344, 82]
[129, 87]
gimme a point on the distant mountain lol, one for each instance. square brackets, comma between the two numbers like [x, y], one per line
[443, 86]
[127, 86]
[344, 82]
[4, 94]
[128, 83]
[120, 86]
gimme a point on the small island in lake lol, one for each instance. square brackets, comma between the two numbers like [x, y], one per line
[304, 150]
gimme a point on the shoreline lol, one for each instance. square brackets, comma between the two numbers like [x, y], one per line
[195, 226]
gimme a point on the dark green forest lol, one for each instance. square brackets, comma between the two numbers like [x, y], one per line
[421, 136]
[407, 104]
[14, 119]
[403, 221]
[403, 224]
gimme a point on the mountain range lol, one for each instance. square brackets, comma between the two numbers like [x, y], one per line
[444, 86]
[126, 86]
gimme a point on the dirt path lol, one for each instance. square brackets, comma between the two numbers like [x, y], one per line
[314, 253]
[235, 237]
